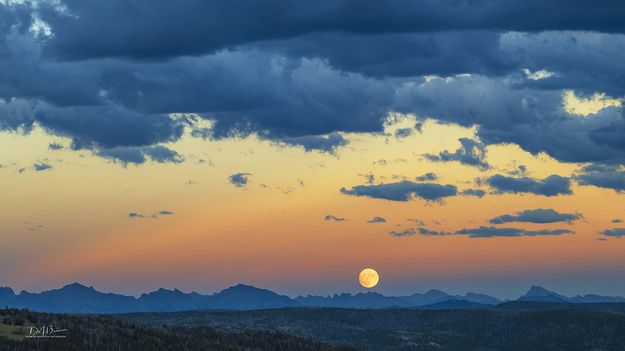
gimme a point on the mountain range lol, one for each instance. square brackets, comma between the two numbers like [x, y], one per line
[77, 298]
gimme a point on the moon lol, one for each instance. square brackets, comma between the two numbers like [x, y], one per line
[368, 278]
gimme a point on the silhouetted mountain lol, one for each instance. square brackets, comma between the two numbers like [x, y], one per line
[540, 294]
[361, 300]
[247, 297]
[454, 305]
[77, 298]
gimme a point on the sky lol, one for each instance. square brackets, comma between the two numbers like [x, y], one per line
[459, 145]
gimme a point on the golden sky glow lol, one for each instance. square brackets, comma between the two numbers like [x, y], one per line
[71, 223]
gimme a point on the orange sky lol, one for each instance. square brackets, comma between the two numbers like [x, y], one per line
[71, 223]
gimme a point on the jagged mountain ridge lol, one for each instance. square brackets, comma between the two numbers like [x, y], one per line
[77, 298]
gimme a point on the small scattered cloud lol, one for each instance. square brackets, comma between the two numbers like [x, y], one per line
[491, 232]
[403, 233]
[617, 220]
[471, 153]
[602, 176]
[165, 213]
[139, 155]
[428, 177]
[614, 233]
[135, 215]
[537, 216]
[377, 220]
[239, 179]
[55, 146]
[551, 186]
[428, 232]
[403, 191]
[155, 215]
[324, 143]
[39, 167]
[332, 218]
[473, 192]
[403, 133]
[415, 220]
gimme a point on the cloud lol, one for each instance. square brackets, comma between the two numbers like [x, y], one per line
[403, 191]
[41, 167]
[428, 232]
[473, 192]
[239, 179]
[325, 143]
[553, 185]
[314, 73]
[403, 133]
[615, 233]
[139, 155]
[403, 233]
[428, 177]
[377, 220]
[471, 153]
[603, 176]
[332, 218]
[537, 216]
[491, 232]
[416, 220]
[617, 220]
[165, 213]
[55, 146]
[135, 215]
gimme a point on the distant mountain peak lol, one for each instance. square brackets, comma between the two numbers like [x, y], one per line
[536, 290]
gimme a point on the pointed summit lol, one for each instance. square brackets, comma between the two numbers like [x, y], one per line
[538, 293]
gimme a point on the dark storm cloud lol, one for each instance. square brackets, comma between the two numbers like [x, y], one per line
[615, 233]
[239, 179]
[537, 216]
[553, 185]
[603, 176]
[491, 232]
[88, 34]
[403, 191]
[300, 72]
[471, 153]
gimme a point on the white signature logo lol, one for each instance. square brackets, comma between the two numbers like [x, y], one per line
[46, 332]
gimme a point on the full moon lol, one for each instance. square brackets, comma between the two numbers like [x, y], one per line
[368, 278]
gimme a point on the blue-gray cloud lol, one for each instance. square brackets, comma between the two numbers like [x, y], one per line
[471, 153]
[239, 179]
[377, 220]
[403, 191]
[428, 177]
[553, 185]
[473, 192]
[326, 143]
[403, 233]
[537, 216]
[139, 155]
[55, 146]
[491, 232]
[333, 218]
[614, 233]
[603, 176]
[338, 68]
[429, 232]
[617, 220]
[41, 167]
